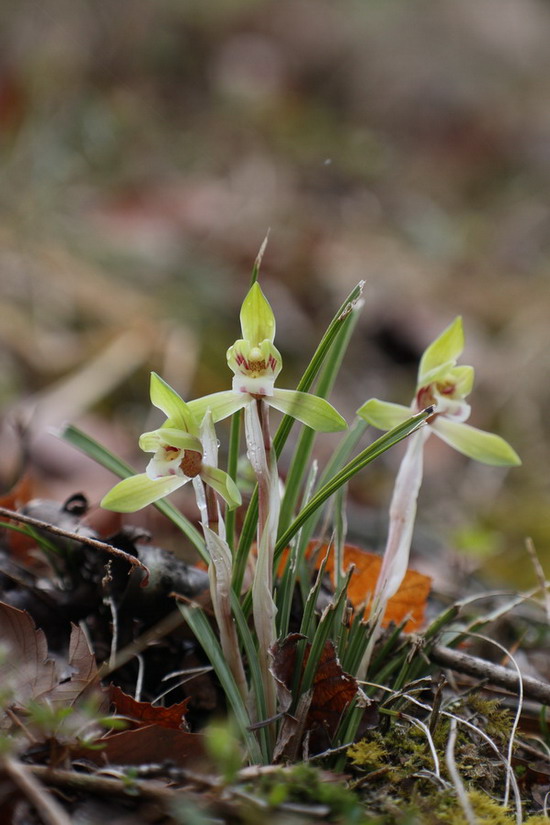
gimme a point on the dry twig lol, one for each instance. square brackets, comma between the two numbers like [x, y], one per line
[83, 539]
[495, 674]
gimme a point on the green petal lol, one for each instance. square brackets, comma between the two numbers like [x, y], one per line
[442, 353]
[311, 410]
[383, 414]
[171, 404]
[220, 404]
[138, 491]
[149, 442]
[223, 484]
[257, 319]
[477, 444]
[463, 377]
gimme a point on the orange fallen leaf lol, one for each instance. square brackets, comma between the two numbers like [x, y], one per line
[19, 544]
[408, 603]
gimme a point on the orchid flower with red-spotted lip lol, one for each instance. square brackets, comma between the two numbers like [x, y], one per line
[256, 363]
[445, 385]
[177, 458]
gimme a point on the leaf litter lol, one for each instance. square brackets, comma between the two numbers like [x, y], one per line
[51, 661]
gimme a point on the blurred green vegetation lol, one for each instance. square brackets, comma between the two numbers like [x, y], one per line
[148, 147]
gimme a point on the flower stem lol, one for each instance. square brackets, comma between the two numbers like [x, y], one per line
[264, 463]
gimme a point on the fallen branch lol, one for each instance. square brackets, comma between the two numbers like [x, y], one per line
[495, 674]
[24, 777]
[83, 539]
[102, 785]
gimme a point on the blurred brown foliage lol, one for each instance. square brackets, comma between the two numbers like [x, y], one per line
[147, 148]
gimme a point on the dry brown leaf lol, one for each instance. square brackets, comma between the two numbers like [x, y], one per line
[144, 745]
[27, 669]
[145, 713]
[332, 688]
[408, 603]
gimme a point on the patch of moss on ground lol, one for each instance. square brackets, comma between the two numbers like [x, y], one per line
[396, 774]
[306, 785]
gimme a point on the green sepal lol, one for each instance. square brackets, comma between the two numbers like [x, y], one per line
[311, 410]
[441, 354]
[220, 404]
[477, 444]
[383, 414]
[222, 484]
[171, 404]
[257, 319]
[150, 442]
[136, 492]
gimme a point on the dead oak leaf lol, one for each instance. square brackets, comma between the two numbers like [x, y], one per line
[145, 713]
[143, 745]
[332, 688]
[27, 670]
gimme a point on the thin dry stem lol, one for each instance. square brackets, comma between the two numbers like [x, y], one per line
[82, 539]
[456, 779]
[22, 775]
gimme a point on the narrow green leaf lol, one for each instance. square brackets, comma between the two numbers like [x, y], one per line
[295, 569]
[232, 464]
[365, 457]
[251, 653]
[325, 630]
[205, 635]
[302, 453]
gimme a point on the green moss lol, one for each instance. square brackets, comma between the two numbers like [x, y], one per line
[486, 810]
[306, 785]
[368, 754]
[497, 720]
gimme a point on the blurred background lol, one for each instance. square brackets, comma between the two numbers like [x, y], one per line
[147, 147]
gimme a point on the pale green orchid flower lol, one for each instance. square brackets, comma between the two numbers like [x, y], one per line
[442, 384]
[256, 363]
[445, 386]
[177, 458]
